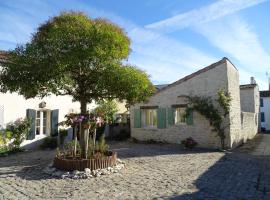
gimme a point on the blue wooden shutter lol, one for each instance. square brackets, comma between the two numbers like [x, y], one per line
[190, 117]
[161, 115]
[54, 122]
[171, 116]
[137, 118]
[31, 115]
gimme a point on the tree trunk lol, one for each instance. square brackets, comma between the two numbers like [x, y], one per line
[94, 140]
[75, 142]
[83, 142]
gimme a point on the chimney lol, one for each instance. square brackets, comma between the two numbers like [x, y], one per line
[252, 80]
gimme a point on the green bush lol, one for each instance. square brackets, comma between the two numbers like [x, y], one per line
[101, 145]
[69, 148]
[6, 150]
[17, 131]
[49, 143]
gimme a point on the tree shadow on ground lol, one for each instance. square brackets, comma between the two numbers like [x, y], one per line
[238, 175]
[130, 150]
[29, 165]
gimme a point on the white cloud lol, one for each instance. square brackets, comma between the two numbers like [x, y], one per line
[204, 14]
[237, 39]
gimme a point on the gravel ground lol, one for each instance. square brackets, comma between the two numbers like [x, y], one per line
[153, 171]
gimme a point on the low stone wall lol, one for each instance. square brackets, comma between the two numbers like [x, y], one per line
[249, 125]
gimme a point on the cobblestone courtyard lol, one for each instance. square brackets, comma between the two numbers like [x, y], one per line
[153, 172]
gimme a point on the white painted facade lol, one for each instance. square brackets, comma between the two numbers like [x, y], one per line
[14, 106]
[265, 110]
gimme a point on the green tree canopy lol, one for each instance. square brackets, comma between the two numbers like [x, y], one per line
[106, 109]
[72, 54]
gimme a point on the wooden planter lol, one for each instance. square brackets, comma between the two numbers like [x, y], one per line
[80, 164]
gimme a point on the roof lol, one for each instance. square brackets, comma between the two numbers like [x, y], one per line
[248, 86]
[265, 93]
[212, 66]
[159, 87]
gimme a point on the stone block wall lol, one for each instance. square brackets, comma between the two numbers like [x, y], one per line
[204, 84]
[249, 122]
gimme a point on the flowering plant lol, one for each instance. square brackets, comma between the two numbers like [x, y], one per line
[189, 143]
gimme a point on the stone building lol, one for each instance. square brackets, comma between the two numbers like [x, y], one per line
[265, 110]
[163, 118]
[45, 113]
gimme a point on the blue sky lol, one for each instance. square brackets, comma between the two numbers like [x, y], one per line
[170, 39]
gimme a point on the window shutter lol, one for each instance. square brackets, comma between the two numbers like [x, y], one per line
[161, 122]
[171, 116]
[190, 117]
[54, 122]
[31, 115]
[137, 118]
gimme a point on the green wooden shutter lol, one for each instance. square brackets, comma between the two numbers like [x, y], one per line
[171, 116]
[31, 115]
[54, 122]
[137, 118]
[190, 117]
[161, 115]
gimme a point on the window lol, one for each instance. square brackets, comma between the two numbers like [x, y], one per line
[261, 102]
[44, 122]
[262, 117]
[38, 123]
[41, 122]
[180, 115]
[149, 117]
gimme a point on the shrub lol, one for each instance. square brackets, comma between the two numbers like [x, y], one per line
[189, 143]
[101, 146]
[18, 131]
[49, 143]
[69, 148]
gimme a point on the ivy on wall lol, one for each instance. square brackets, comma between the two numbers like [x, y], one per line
[215, 115]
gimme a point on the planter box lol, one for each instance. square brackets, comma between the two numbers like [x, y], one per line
[80, 164]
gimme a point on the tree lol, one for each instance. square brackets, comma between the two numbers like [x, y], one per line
[106, 109]
[72, 54]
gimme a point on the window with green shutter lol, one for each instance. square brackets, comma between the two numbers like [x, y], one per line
[31, 115]
[137, 118]
[190, 117]
[171, 116]
[161, 122]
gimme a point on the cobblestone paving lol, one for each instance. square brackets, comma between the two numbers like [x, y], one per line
[153, 172]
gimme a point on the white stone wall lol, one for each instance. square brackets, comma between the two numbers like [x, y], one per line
[250, 99]
[250, 102]
[226, 77]
[249, 125]
[233, 136]
[204, 84]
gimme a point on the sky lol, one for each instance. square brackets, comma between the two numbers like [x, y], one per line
[170, 38]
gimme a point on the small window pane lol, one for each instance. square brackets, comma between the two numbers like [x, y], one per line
[261, 102]
[262, 117]
[180, 115]
[38, 114]
[149, 117]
